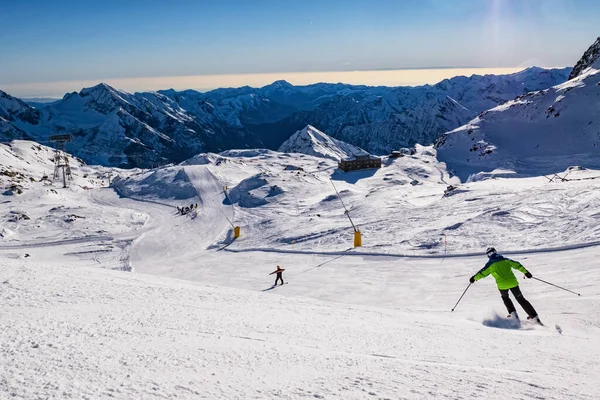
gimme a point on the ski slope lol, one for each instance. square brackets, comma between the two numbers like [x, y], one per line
[135, 301]
[288, 203]
[172, 239]
[84, 332]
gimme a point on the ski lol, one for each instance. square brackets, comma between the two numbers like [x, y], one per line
[273, 287]
[535, 321]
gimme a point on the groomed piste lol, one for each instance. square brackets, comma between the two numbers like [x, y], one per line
[109, 291]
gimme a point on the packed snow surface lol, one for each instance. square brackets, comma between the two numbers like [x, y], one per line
[109, 292]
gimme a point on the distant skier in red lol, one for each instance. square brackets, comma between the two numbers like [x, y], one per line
[279, 272]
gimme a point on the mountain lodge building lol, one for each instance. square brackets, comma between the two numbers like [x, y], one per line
[359, 162]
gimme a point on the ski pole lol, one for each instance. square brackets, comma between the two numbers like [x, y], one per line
[552, 284]
[461, 297]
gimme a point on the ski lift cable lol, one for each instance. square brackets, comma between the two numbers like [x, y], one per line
[347, 212]
[221, 211]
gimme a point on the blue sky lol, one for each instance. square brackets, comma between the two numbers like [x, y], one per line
[48, 41]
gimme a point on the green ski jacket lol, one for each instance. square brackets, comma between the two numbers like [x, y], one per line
[501, 270]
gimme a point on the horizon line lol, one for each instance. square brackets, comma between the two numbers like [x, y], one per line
[153, 83]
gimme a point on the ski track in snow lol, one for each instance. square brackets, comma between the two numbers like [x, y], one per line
[101, 238]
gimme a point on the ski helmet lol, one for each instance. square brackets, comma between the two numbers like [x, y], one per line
[490, 252]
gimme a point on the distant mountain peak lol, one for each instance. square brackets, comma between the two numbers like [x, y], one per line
[533, 68]
[279, 84]
[312, 141]
[105, 91]
[99, 88]
[589, 59]
[104, 98]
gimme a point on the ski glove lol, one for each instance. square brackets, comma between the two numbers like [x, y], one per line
[528, 275]
[472, 279]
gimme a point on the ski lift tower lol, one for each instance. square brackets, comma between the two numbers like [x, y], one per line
[61, 160]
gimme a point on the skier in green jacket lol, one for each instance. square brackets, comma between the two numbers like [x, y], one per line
[501, 269]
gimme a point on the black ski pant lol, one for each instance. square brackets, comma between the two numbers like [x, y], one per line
[519, 297]
[279, 276]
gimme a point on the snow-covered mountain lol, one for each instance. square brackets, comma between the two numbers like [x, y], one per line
[540, 132]
[114, 127]
[313, 142]
[381, 120]
[13, 112]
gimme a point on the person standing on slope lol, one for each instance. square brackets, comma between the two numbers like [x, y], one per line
[501, 270]
[279, 272]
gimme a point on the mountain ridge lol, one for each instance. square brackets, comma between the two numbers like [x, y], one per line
[115, 127]
[541, 132]
[589, 59]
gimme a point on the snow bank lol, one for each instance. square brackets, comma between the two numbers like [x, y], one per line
[165, 183]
